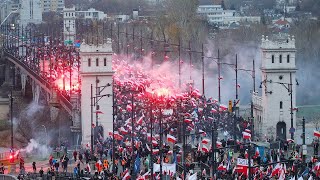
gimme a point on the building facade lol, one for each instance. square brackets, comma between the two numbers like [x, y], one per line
[216, 15]
[69, 25]
[52, 5]
[96, 70]
[278, 86]
[91, 14]
[30, 12]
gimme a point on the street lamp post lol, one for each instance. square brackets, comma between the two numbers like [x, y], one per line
[91, 115]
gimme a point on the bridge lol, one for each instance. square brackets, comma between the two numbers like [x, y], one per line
[50, 67]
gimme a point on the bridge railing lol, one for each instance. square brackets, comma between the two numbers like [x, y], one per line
[7, 177]
[4, 156]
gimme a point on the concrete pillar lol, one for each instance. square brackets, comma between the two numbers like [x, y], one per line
[23, 82]
[35, 92]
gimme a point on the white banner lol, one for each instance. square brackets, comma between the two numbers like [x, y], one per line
[243, 162]
[168, 168]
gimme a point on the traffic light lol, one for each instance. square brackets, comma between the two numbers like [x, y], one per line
[230, 106]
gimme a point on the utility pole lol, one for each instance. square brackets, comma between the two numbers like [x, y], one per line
[219, 77]
[202, 58]
[303, 140]
[91, 104]
[236, 69]
[291, 108]
[253, 94]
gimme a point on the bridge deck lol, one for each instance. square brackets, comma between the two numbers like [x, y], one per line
[65, 103]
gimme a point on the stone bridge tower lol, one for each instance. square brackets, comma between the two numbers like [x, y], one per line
[278, 85]
[96, 71]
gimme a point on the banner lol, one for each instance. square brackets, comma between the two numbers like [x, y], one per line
[168, 168]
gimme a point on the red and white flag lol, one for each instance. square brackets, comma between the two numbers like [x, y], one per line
[171, 139]
[213, 110]
[123, 131]
[126, 176]
[188, 121]
[247, 130]
[129, 108]
[205, 141]
[202, 132]
[290, 141]
[99, 112]
[219, 144]
[221, 167]
[223, 107]
[155, 151]
[205, 149]
[148, 147]
[154, 143]
[246, 135]
[316, 133]
[140, 120]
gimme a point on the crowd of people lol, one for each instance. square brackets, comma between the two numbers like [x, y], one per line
[162, 129]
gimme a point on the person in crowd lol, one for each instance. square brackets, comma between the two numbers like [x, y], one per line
[34, 167]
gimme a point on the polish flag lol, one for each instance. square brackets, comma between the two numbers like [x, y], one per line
[188, 121]
[155, 151]
[117, 136]
[129, 108]
[189, 128]
[247, 130]
[127, 176]
[223, 107]
[187, 114]
[171, 139]
[170, 152]
[149, 137]
[316, 133]
[148, 147]
[202, 132]
[213, 110]
[246, 135]
[276, 170]
[123, 131]
[210, 118]
[140, 120]
[154, 143]
[110, 133]
[99, 112]
[290, 141]
[205, 149]
[205, 141]
[218, 144]
[221, 167]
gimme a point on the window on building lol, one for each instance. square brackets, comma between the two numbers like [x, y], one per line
[280, 58]
[97, 62]
[105, 61]
[288, 58]
[89, 62]
[272, 58]
[281, 104]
